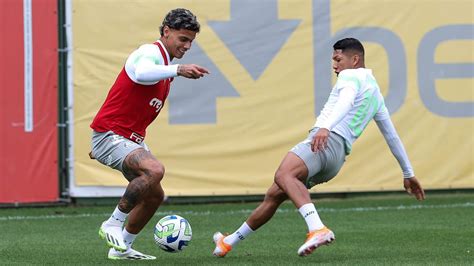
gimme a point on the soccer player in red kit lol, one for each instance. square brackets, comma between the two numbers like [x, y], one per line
[119, 128]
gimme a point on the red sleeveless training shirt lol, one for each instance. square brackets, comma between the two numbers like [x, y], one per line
[131, 107]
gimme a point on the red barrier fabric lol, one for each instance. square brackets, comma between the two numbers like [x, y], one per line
[28, 159]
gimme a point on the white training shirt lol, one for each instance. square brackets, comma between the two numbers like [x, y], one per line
[146, 65]
[353, 102]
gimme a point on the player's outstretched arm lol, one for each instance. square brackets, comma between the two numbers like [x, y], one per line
[413, 187]
[192, 71]
[411, 184]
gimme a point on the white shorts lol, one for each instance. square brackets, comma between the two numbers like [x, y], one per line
[322, 165]
[111, 149]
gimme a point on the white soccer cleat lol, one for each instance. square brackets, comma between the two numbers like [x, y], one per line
[113, 236]
[221, 247]
[130, 254]
[316, 239]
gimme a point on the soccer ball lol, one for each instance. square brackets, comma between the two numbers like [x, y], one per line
[172, 233]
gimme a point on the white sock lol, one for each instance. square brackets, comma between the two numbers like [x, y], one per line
[128, 238]
[311, 216]
[239, 235]
[118, 217]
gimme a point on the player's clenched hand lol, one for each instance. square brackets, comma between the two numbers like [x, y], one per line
[192, 71]
[320, 140]
[413, 187]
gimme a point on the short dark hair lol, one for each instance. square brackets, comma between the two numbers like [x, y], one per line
[349, 44]
[180, 18]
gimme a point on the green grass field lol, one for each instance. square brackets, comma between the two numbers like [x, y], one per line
[375, 230]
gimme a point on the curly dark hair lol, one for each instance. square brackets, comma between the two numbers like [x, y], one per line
[180, 18]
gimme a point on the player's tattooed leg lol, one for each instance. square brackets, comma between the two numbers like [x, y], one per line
[132, 166]
[133, 194]
[136, 169]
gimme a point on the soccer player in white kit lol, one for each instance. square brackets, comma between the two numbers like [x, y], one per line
[354, 101]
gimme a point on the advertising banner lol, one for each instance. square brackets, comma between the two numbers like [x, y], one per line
[271, 73]
[28, 101]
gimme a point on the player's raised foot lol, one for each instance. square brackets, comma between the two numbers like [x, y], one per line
[221, 247]
[316, 239]
[130, 254]
[112, 234]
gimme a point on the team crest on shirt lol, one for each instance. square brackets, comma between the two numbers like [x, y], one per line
[157, 103]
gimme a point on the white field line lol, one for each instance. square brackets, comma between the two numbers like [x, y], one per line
[246, 211]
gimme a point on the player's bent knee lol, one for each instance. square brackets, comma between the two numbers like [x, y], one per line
[156, 172]
[275, 195]
[280, 177]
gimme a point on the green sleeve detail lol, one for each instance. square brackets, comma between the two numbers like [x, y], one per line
[147, 55]
[369, 107]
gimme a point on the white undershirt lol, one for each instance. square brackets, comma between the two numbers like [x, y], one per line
[146, 65]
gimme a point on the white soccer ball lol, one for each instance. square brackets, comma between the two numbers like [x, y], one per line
[172, 233]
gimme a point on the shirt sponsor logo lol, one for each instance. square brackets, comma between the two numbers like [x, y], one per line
[136, 137]
[157, 103]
